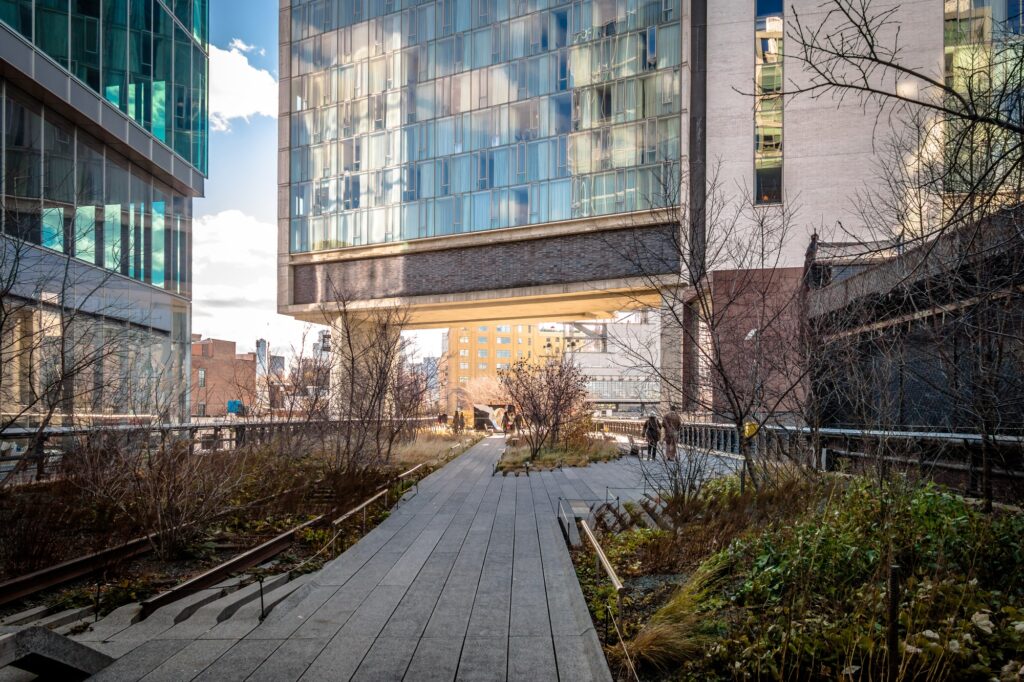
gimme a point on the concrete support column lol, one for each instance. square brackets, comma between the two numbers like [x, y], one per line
[364, 357]
[672, 350]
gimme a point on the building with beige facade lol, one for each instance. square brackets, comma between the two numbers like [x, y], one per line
[618, 356]
[475, 354]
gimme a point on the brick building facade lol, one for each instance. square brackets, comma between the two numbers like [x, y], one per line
[220, 375]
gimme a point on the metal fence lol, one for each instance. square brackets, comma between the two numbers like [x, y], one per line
[955, 456]
[20, 444]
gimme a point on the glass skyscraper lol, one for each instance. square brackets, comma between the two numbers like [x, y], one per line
[104, 146]
[408, 120]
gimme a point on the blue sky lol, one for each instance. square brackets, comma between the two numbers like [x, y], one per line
[235, 233]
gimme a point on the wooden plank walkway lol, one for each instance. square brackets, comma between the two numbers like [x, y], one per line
[467, 579]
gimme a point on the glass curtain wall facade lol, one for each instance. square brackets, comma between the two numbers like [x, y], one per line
[769, 30]
[422, 119]
[96, 234]
[983, 46]
[128, 237]
[148, 58]
[65, 191]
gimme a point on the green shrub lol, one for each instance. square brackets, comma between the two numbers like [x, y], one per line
[807, 599]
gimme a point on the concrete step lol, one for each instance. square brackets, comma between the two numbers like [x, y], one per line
[56, 620]
[654, 511]
[28, 615]
[114, 622]
[248, 616]
[606, 517]
[655, 500]
[209, 615]
[75, 625]
[49, 655]
[162, 620]
[640, 516]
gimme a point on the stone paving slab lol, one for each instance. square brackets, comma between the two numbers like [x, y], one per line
[240, 661]
[468, 578]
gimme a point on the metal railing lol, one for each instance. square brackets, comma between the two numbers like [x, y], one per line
[827, 445]
[18, 444]
[602, 561]
[609, 616]
[720, 439]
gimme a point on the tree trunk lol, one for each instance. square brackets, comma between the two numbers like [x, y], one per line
[892, 631]
[986, 474]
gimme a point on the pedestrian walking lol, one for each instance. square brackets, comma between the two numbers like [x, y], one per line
[673, 423]
[652, 432]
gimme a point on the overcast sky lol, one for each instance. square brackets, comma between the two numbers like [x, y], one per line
[235, 244]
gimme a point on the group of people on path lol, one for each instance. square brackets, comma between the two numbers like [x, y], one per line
[511, 421]
[666, 429]
[458, 421]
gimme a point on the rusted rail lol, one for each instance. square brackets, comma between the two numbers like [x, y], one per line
[29, 584]
[45, 578]
[246, 560]
[257, 555]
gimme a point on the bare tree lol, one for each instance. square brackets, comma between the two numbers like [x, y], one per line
[169, 491]
[733, 307]
[947, 215]
[481, 391]
[547, 396]
[374, 394]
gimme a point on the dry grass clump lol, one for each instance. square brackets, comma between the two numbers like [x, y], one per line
[674, 632]
[722, 512]
[515, 457]
[431, 447]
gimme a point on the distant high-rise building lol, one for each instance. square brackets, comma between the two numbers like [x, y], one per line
[104, 146]
[262, 357]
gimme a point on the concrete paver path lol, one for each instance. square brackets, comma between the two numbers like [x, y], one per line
[468, 579]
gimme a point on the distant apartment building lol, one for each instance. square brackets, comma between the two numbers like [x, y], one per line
[620, 358]
[475, 355]
[223, 381]
[103, 146]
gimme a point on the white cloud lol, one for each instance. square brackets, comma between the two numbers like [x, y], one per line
[237, 88]
[234, 291]
[242, 46]
[234, 288]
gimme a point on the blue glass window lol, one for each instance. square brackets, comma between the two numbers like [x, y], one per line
[476, 115]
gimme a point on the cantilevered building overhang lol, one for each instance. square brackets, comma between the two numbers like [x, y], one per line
[478, 161]
[488, 160]
[571, 271]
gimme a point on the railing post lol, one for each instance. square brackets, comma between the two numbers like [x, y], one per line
[263, 610]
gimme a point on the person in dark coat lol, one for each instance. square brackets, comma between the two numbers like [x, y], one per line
[673, 423]
[652, 432]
